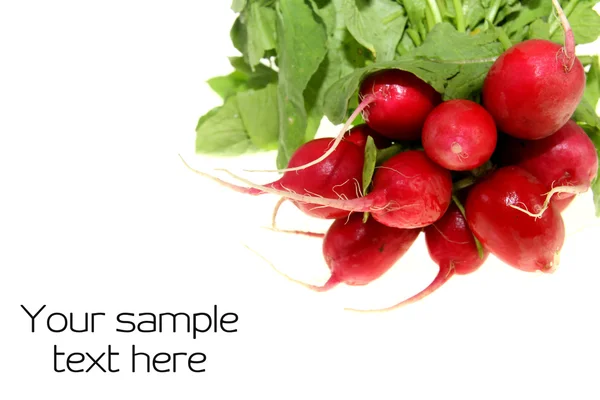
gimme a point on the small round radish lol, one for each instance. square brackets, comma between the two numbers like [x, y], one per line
[359, 252]
[452, 247]
[566, 158]
[459, 135]
[419, 191]
[526, 243]
[337, 177]
[409, 191]
[534, 87]
[399, 102]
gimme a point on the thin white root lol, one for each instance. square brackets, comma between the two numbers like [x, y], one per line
[275, 212]
[368, 100]
[316, 288]
[274, 227]
[559, 189]
[359, 204]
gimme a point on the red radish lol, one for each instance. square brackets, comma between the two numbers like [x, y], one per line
[534, 87]
[394, 103]
[398, 103]
[409, 191]
[338, 177]
[528, 244]
[452, 247]
[459, 135]
[565, 159]
[358, 252]
[419, 189]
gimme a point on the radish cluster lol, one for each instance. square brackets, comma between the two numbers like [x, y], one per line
[476, 179]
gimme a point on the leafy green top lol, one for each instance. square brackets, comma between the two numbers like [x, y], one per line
[301, 61]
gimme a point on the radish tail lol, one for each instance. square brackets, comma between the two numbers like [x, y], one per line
[330, 284]
[445, 273]
[239, 189]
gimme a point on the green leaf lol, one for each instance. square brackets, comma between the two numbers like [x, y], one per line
[539, 30]
[261, 32]
[468, 82]
[416, 13]
[474, 13]
[445, 43]
[531, 11]
[594, 134]
[221, 132]
[368, 169]
[301, 49]
[585, 23]
[344, 55]
[238, 5]
[473, 53]
[228, 85]
[385, 154]
[586, 114]
[592, 85]
[369, 164]
[260, 116]
[376, 24]
[340, 93]
[242, 79]
[239, 35]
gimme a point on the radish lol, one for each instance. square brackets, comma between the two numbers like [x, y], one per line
[563, 162]
[534, 87]
[397, 103]
[338, 177]
[459, 135]
[528, 244]
[452, 247]
[358, 252]
[408, 191]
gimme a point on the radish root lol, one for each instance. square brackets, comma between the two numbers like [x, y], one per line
[295, 232]
[364, 103]
[239, 189]
[559, 189]
[361, 204]
[330, 284]
[445, 273]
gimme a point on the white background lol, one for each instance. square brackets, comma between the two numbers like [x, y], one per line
[98, 214]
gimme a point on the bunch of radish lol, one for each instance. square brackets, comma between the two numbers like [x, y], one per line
[475, 178]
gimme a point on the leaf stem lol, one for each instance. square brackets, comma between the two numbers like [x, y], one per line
[422, 30]
[463, 183]
[493, 11]
[414, 35]
[503, 38]
[567, 10]
[464, 214]
[460, 17]
[435, 11]
[429, 19]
